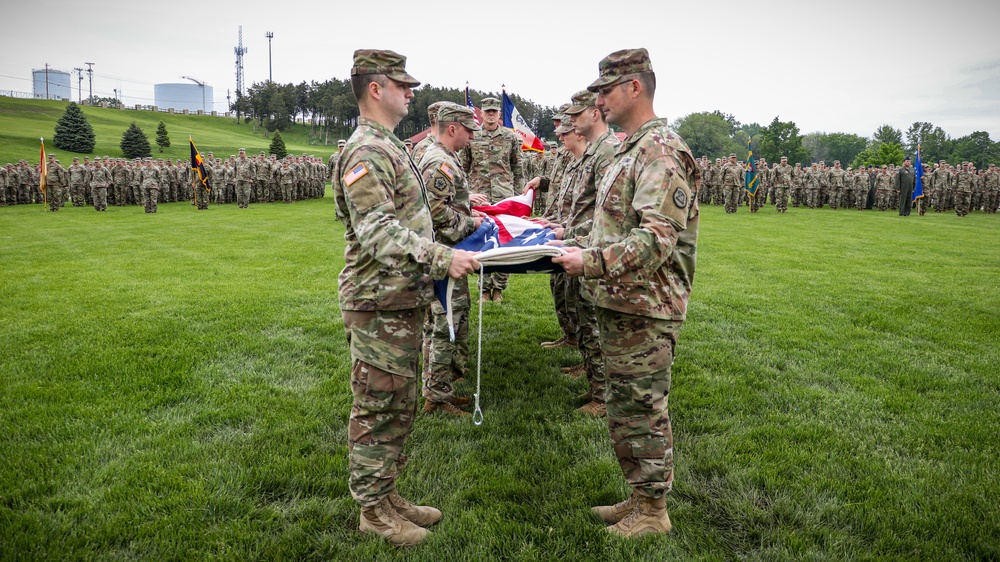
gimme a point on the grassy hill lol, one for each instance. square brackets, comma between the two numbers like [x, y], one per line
[22, 122]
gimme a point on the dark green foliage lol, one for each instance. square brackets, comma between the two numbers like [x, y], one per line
[782, 138]
[277, 147]
[73, 131]
[134, 143]
[162, 140]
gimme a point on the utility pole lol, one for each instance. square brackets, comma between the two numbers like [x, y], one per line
[240, 51]
[79, 84]
[90, 73]
[269, 36]
[46, 80]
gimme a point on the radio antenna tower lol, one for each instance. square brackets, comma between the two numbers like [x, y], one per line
[240, 51]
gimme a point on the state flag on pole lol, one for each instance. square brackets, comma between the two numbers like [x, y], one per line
[512, 120]
[751, 184]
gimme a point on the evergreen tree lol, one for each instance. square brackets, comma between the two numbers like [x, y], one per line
[134, 143]
[73, 131]
[162, 140]
[278, 146]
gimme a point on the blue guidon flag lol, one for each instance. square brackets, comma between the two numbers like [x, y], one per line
[918, 189]
[751, 184]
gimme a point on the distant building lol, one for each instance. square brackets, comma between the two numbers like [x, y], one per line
[54, 84]
[189, 96]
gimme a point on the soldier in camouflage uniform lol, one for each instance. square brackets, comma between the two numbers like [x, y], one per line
[642, 258]
[493, 164]
[782, 183]
[77, 182]
[448, 195]
[56, 182]
[391, 261]
[731, 179]
[963, 190]
[418, 151]
[883, 189]
[836, 177]
[244, 170]
[991, 184]
[587, 173]
[100, 179]
[332, 165]
[149, 178]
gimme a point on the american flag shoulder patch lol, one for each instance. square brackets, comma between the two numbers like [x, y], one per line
[447, 171]
[355, 174]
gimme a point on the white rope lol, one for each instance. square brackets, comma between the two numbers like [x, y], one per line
[477, 412]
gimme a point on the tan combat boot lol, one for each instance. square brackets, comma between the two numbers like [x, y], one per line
[569, 370]
[423, 515]
[576, 371]
[460, 400]
[648, 517]
[486, 297]
[444, 407]
[612, 514]
[497, 295]
[383, 520]
[594, 408]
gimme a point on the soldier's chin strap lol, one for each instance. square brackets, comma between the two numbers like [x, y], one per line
[477, 412]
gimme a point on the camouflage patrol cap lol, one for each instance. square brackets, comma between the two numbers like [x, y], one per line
[389, 63]
[619, 64]
[341, 142]
[432, 109]
[490, 104]
[454, 113]
[560, 114]
[784, 158]
[732, 155]
[581, 101]
[553, 144]
[565, 127]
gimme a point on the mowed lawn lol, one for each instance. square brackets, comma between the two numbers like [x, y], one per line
[175, 387]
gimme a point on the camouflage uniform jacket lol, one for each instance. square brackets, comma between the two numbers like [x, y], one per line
[731, 175]
[492, 162]
[77, 175]
[836, 177]
[391, 259]
[56, 176]
[100, 177]
[596, 161]
[244, 169]
[447, 193]
[421, 147]
[783, 176]
[963, 183]
[150, 177]
[645, 232]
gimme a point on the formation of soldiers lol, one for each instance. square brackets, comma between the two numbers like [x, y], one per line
[120, 182]
[945, 187]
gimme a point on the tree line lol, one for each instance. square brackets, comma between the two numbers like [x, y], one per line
[717, 134]
[329, 109]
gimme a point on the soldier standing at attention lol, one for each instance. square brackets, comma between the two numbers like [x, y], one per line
[150, 181]
[453, 218]
[642, 257]
[331, 166]
[963, 190]
[244, 170]
[100, 179]
[77, 182]
[391, 261]
[782, 183]
[905, 183]
[731, 181]
[493, 164]
[55, 183]
[836, 179]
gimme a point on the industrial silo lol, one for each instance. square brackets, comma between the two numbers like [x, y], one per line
[51, 84]
[192, 97]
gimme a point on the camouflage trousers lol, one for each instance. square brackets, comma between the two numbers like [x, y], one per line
[731, 193]
[385, 357]
[963, 199]
[638, 354]
[588, 338]
[54, 195]
[991, 201]
[77, 195]
[812, 198]
[836, 197]
[201, 196]
[100, 198]
[796, 195]
[495, 282]
[781, 198]
[565, 316]
[151, 198]
[446, 360]
[883, 198]
[243, 189]
[945, 200]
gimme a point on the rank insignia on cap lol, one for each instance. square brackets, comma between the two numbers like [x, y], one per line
[447, 171]
[680, 198]
[357, 173]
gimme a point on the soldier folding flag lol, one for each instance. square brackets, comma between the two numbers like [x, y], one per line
[512, 120]
[751, 183]
[198, 165]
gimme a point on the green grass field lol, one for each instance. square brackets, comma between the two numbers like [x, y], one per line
[175, 387]
[23, 122]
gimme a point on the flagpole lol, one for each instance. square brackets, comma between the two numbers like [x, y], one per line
[43, 171]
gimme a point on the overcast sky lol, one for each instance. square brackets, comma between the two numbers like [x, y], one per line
[847, 66]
